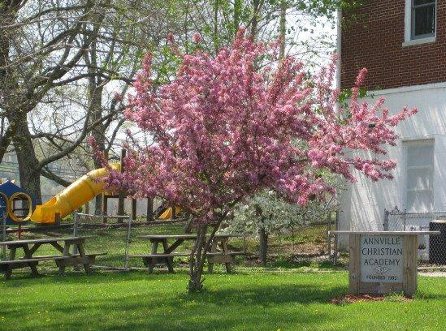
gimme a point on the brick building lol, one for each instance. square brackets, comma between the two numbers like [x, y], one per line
[402, 43]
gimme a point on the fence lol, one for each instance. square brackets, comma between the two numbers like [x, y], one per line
[110, 234]
[120, 237]
[430, 249]
[24, 231]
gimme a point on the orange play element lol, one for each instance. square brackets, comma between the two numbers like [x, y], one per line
[168, 213]
[74, 196]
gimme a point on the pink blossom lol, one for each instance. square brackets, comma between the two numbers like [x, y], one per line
[170, 38]
[361, 77]
[196, 38]
[222, 131]
[117, 97]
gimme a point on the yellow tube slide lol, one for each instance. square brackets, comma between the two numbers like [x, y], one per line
[168, 213]
[74, 196]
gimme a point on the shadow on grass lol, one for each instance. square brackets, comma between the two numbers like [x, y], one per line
[250, 307]
[267, 295]
[51, 276]
[421, 295]
[286, 263]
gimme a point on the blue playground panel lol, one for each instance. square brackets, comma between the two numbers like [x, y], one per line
[8, 188]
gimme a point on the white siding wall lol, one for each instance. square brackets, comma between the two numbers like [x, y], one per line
[362, 205]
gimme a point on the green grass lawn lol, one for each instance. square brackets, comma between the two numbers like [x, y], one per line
[251, 299]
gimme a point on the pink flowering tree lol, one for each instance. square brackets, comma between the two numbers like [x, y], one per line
[224, 130]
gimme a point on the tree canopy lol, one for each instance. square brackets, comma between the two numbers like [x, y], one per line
[222, 131]
[226, 128]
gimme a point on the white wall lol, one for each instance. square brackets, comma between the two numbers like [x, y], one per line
[362, 205]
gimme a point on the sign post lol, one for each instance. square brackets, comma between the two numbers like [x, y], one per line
[383, 261]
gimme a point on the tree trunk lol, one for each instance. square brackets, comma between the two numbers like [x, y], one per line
[237, 14]
[28, 163]
[95, 89]
[98, 133]
[198, 255]
[255, 18]
[263, 252]
[263, 235]
[282, 28]
[8, 80]
[215, 34]
[197, 259]
[121, 199]
[98, 205]
[149, 213]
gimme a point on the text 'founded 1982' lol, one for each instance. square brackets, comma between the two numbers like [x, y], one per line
[381, 258]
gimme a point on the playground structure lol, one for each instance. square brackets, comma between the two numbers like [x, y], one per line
[69, 200]
[15, 203]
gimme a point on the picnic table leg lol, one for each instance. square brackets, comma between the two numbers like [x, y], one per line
[151, 261]
[65, 252]
[80, 248]
[150, 264]
[8, 271]
[169, 260]
[213, 250]
[33, 249]
[12, 253]
[28, 255]
[224, 246]
[66, 249]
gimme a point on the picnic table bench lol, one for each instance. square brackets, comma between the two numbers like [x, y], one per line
[62, 245]
[166, 255]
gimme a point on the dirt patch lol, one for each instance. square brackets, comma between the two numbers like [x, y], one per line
[433, 274]
[350, 298]
[306, 249]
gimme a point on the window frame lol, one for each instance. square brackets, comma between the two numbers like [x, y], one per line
[413, 9]
[409, 22]
[429, 167]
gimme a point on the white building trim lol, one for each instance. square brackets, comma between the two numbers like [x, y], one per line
[407, 21]
[338, 48]
[363, 203]
[405, 89]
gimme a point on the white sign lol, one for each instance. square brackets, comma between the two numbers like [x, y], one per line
[381, 259]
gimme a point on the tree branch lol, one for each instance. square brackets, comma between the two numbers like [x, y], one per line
[76, 143]
[47, 173]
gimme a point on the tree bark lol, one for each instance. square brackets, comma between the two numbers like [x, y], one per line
[8, 82]
[263, 251]
[282, 28]
[263, 235]
[29, 169]
[215, 34]
[237, 14]
[24, 81]
[198, 256]
[255, 18]
[98, 201]
[95, 89]
[121, 199]
[196, 262]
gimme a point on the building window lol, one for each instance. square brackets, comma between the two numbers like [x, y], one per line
[419, 176]
[420, 21]
[423, 18]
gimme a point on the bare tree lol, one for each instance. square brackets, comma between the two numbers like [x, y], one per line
[62, 64]
[40, 43]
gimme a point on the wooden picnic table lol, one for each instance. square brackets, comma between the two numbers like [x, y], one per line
[61, 244]
[166, 255]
